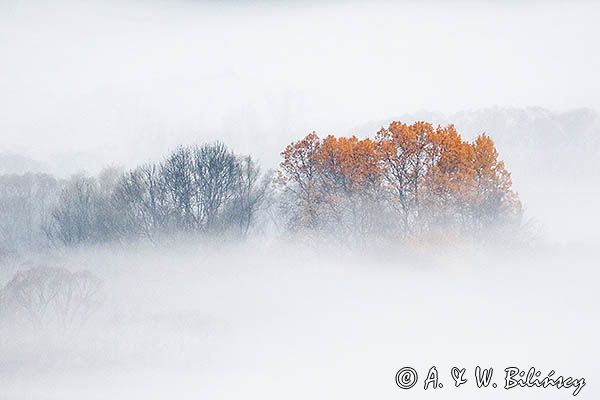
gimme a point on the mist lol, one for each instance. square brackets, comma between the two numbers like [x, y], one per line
[236, 304]
[118, 82]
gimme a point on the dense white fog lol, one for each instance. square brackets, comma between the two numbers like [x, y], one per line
[89, 85]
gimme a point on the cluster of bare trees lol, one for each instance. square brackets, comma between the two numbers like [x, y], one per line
[204, 189]
[45, 297]
[85, 212]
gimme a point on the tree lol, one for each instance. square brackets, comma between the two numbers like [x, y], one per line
[142, 198]
[407, 153]
[216, 175]
[26, 202]
[47, 296]
[73, 218]
[85, 211]
[178, 179]
[331, 184]
[299, 177]
[493, 194]
[347, 164]
[251, 192]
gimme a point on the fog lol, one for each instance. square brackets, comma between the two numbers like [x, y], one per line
[86, 85]
[117, 82]
[264, 320]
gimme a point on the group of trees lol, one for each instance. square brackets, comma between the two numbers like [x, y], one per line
[203, 189]
[407, 179]
[196, 189]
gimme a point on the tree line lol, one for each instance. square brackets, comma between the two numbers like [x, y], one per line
[406, 180]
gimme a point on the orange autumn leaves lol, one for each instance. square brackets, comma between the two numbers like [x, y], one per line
[415, 176]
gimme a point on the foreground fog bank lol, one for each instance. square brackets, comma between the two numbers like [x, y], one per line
[273, 319]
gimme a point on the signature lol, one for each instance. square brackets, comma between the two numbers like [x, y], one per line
[407, 378]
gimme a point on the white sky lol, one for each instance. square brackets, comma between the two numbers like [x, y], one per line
[124, 81]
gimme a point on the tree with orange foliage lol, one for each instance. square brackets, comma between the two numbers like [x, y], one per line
[328, 181]
[349, 179]
[448, 184]
[348, 164]
[493, 194]
[425, 176]
[298, 176]
[406, 153]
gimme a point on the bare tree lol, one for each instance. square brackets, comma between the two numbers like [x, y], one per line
[251, 192]
[51, 295]
[25, 205]
[141, 197]
[85, 213]
[216, 173]
[178, 182]
[72, 220]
